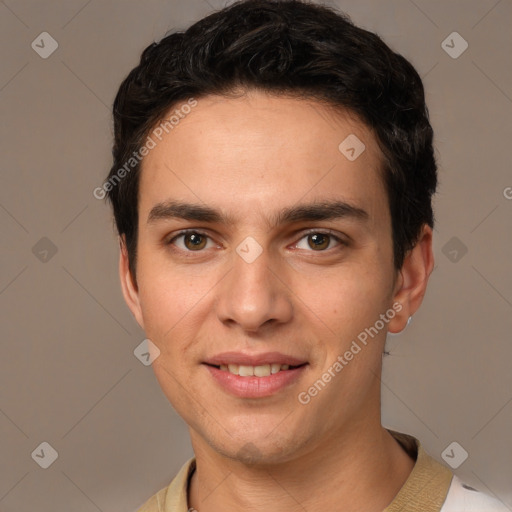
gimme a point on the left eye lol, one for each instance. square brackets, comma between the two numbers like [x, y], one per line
[318, 241]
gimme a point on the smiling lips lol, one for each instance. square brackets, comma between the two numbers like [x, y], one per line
[256, 376]
[263, 370]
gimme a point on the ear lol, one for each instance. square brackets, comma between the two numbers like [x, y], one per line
[130, 289]
[412, 281]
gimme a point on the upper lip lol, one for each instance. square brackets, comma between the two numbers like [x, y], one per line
[254, 359]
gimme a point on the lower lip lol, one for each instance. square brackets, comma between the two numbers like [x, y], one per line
[255, 387]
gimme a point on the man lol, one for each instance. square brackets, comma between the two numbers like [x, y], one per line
[272, 183]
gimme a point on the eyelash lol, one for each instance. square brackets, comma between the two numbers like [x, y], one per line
[327, 232]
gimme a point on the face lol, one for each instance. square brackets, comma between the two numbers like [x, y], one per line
[264, 254]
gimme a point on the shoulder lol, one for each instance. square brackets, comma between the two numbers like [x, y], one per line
[172, 498]
[463, 498]
[155, 503]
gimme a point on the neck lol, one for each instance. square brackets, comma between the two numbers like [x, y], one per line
[363, 468]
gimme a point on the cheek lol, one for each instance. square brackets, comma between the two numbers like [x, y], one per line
[347, 298]
[173, 312]
[168, 297]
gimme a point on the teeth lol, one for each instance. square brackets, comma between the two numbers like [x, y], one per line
[274, 368]
[246, 371]
[263, 370]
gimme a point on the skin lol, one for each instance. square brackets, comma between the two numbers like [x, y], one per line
[250, 157]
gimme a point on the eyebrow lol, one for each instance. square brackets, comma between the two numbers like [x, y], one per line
[317, 211]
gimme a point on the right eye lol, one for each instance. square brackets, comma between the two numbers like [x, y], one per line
[192, 241]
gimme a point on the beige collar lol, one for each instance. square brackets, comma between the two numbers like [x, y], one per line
[424, 490]
[426, 487]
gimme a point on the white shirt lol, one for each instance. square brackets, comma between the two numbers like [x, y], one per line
[463, 498]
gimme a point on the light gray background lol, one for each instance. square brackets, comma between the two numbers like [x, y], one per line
[68, 375]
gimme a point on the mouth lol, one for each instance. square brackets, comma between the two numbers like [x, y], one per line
[262, 370]
[255, 376]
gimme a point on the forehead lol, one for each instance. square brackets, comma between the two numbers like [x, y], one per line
[259, 152]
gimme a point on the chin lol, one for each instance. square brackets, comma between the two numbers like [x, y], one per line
[258, 449]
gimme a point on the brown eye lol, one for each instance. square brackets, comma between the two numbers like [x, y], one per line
[318, 241]
[194, 241]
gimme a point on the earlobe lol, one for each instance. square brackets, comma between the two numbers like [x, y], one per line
[130, 289]
[413, 279]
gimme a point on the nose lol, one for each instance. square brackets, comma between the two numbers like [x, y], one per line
[253, 297]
